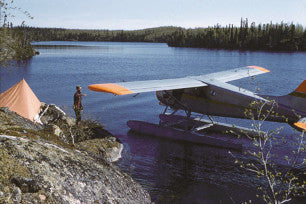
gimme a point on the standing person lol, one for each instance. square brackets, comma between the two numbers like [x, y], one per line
[77, 104]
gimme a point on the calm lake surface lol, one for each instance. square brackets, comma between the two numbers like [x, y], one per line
[172, 172]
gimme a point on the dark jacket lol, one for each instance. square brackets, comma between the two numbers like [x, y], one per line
[77, 101]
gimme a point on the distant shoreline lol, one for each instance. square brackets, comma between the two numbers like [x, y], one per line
[261, 37]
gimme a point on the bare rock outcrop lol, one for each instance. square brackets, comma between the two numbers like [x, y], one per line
[54, 174]
[58, 162]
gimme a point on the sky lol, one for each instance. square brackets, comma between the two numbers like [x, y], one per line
[139, 14]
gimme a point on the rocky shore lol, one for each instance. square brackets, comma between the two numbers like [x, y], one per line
[58, 162]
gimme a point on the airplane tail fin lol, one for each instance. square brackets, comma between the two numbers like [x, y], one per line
[301, 124]
[300, 91]
[293, 106]
[297, 98]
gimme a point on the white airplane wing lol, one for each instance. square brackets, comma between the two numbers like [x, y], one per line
[123, 88]
[236, 91]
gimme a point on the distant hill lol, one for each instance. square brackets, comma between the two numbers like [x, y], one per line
[159, 34]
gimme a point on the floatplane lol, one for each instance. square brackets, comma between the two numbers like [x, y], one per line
[209, 95]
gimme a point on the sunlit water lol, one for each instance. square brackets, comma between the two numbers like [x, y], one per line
[172, 172]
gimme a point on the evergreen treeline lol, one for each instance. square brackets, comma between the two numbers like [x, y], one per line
[160, 34]
[14, 44]
[283, 36]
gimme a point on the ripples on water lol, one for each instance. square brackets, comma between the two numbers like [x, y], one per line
[173, 172]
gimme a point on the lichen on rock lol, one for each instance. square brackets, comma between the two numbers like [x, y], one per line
[69, 176]
[105, 148]
[58, 162]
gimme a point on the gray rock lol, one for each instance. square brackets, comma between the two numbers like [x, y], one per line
[114, 153]
[70, 121]
[55, 170]
[5, 109]
[7, 116]
[107, 148]
[16, 195]
[57, 131]
[50, 113]
[70, 176]
[26, 185]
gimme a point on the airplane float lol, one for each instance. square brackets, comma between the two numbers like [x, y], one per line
[209, 95]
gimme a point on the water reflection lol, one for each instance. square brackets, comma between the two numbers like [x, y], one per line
[178, 171]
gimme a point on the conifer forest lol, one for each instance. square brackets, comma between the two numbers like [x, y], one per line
[247, 36]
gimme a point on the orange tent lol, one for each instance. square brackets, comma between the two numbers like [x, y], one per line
[21, 99]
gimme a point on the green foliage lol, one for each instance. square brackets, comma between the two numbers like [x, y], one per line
[283, 183]
[283, 36]
[14, 43]
[58, 34]
[286, 37]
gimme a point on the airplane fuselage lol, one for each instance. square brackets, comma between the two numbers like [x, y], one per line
[215, 101]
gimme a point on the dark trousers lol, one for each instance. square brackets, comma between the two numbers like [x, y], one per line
[77, 115]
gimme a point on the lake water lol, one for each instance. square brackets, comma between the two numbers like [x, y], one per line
[172, 172]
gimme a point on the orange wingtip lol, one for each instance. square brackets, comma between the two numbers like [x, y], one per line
[110, 88]
[302, 87]
[300, 125]
[260, 68]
